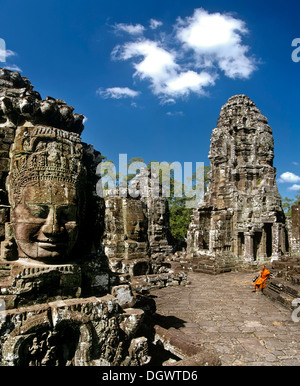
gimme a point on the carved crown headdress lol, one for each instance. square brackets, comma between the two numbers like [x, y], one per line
[43, 153]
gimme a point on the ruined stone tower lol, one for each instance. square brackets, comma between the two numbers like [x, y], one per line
[137, 233]
[240, 221]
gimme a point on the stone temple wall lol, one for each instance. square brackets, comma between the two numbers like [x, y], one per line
[240, 221]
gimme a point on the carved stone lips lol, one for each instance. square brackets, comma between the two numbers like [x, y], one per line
[51, 245]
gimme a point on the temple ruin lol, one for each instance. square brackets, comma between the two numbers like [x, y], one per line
[77, 269]
[240, 221]
[62, 304]
[137, 234]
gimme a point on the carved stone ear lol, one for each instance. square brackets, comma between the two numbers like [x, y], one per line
[9, 248]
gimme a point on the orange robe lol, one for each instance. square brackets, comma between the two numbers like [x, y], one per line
[262, 278]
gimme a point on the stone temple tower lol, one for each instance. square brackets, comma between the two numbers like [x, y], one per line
[240, 221]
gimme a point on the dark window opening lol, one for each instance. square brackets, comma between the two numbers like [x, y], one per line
[241, 243]
[268, 230]
[256, 244]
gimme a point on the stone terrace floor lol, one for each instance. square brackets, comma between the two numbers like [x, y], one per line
[245, 328]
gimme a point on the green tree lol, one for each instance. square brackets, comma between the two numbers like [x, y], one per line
[130, 176]
[287, 203]
[180, 214]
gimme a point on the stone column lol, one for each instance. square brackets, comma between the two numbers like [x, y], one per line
[263, 253]
[282, 239]
[249, 257]
[276, 252]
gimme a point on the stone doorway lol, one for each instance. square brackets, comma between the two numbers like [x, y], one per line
[268, 234]
[241, 244]
[256, 244]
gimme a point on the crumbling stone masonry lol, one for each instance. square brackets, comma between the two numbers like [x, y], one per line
[284, 284]
[240, 222]
[61, 304]
[137, 235]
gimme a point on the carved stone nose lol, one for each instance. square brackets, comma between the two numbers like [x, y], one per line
[52, 225]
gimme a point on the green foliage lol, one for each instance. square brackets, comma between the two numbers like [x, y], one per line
[287, 204]
[135, 159]
[180, 215]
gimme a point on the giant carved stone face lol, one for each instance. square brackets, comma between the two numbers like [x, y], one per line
[46, 186]
[136, 228]
[46, 221]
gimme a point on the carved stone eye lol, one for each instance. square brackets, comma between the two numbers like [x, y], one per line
[39, 211]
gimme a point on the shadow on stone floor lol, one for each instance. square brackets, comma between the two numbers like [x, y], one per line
[168, 322]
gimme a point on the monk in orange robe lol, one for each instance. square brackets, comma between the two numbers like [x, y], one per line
[260, 282]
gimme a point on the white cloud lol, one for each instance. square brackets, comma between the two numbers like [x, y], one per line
[204, 31]
[295, 163]
[189, 81]
[13, 67]
[159, 66]
[136, 29]
[156, 64]
[168, 101]
[6, 53]
[117, 93]
[175, 113]
[294, 187]
[204, 45]
[216, 39]
[289, 177]
[10, 53]
[155, 23]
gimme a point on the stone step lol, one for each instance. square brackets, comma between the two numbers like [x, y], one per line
[210, 268]
[286, 286]
[205, 270]
[286, 265]
[280, 265]
[282, 297]
[283, 291]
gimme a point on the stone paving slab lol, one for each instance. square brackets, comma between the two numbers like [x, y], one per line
[246, 328]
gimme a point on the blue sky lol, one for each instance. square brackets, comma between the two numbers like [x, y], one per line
[152, 76]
